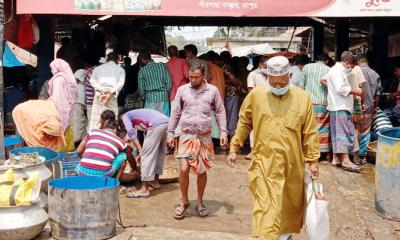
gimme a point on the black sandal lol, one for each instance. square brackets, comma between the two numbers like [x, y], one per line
[355, 169]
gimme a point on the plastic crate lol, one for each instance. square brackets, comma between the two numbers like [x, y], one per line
[69, 161]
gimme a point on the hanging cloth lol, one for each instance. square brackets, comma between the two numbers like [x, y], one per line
[36, 31]
[26, 37]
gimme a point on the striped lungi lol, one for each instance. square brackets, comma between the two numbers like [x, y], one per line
[215, 131]
[322, 119]
[342, 132]
[381, 122]
[198, 149]
[162, 107]
[365, 133]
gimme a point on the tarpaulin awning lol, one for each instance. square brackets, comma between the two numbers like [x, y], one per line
[226, 8]
[257, 49]
[286, 54]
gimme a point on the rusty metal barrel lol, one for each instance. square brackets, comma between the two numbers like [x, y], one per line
[387, 174]
[83, 207]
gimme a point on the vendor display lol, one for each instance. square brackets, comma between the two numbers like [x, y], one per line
[26, 159]
[18, 191]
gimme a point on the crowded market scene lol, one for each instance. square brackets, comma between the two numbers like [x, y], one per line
[198, 119]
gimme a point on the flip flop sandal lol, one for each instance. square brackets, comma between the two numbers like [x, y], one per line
[154, 186]
[181, 207]
[202, 211]
[364, 160]
[356, 169]
[137, 195]
[338, 165]
[358, 163]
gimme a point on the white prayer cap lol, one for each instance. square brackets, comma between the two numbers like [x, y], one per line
[278, 66]
[102, 60]
[80, 75]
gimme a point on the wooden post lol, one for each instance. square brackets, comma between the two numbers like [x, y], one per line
[318, 40]
[2, 148]
[379, 50]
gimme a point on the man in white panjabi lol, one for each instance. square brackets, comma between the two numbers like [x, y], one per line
[256, 78]
[107, 80]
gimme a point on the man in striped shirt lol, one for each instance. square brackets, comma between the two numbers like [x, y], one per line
[311, 77]
[101, 151]
[154, 83]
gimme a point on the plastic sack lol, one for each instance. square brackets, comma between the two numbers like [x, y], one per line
[26, 36]
[16, 192]
[69, 140]
[317, 218]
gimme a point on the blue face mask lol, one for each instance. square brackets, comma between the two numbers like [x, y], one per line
[347, 71]
[279, 91]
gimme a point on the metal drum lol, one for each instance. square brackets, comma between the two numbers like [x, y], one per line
[387, 174]
[83, 207]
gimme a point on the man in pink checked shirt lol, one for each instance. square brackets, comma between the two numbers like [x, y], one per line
[193, 105]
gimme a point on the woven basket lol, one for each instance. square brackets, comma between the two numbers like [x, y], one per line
[128, 175]
[170, 175]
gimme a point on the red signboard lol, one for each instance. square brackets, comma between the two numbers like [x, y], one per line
[250, 8]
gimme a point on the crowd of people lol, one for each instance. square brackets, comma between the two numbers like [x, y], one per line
[292, 112]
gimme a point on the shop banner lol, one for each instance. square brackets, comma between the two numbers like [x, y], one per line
[228, 8]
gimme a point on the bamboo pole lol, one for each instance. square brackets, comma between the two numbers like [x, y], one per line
[2, 148]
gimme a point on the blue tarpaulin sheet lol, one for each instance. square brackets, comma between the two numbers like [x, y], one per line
[9, 58]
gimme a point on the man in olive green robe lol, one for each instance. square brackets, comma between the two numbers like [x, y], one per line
[286, 138]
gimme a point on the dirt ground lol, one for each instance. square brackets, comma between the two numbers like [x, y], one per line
[351, 208]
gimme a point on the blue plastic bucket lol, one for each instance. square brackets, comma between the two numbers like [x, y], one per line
[387, 174]
[83, 207]
[12, 142]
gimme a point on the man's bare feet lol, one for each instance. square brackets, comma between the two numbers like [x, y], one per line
[335, 161]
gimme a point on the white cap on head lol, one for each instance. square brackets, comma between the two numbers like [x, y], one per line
[80, 75]
[278, 66]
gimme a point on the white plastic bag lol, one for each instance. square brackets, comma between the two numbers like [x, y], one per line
[317, 218]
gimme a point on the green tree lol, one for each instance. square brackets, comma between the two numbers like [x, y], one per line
[178, 41]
